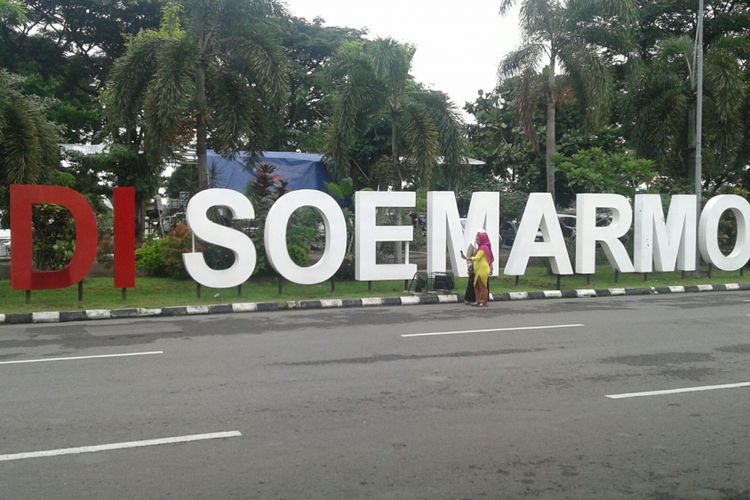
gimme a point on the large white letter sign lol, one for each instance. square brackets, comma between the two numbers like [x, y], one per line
[367, 233]
[539, 215]
[587, 232]
[275, 236]
[661, 244]
[210, 232]
[708, 232]
[444, 224]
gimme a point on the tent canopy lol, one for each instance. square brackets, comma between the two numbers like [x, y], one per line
[300, 170]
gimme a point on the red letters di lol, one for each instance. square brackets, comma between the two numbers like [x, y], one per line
[22, 200]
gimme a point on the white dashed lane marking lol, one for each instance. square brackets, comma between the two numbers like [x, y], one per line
[77, 358]
[678, 391]
[510, 329]
[119, 446]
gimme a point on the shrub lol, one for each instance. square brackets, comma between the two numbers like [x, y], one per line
[150, 257]
[179, 241]
[53, 237]
[105, 252]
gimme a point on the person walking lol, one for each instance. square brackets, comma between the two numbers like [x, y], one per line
[482, 262]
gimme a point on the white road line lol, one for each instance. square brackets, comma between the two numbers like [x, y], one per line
[74, 358]
[511, 329]
[678, 391]
[119, 446]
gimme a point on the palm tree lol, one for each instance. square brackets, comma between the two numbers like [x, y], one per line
[28, 141]
[221, 77]
[374, 89]
[661, 109]
[554, 30]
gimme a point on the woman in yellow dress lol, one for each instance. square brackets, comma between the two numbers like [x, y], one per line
[482, 260]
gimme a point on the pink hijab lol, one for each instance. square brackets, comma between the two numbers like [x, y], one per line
[484, 245]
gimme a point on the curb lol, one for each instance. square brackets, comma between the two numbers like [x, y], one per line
[242, 307]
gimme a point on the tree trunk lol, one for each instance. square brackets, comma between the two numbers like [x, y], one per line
[399, 256]
[550, 134]
[394, 145]
[200, 127]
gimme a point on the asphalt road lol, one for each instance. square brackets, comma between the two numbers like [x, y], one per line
[338, 404]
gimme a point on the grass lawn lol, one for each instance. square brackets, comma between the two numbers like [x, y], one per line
[99, 293]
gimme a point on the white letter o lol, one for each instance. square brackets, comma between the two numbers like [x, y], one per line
[708, 232]
[275, 236]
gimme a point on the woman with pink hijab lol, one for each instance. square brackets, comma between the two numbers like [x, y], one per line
[482, 259]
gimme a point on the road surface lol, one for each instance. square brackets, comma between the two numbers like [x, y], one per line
[540, 399]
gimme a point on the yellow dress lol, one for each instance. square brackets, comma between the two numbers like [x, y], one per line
[481, 268]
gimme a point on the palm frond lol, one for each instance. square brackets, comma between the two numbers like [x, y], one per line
[391, 61]
[355, 95]
[49, 139]
[20, 148]
[678, 52]
[541, 16]
[349, 58]
[626, 11]
[239, 117]
[169, 91]
[620, 41]
[421, 141]
[451, 133]
[12, 12]
[593, 81]
[658, 112]
[130, 77]
[506, 6]
[725, 80]
[259, 57]
[524, 58]
[529, 92]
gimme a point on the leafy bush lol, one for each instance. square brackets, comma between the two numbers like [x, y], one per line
[163, 257]
[105, 252]
[53, 237]
[179, 241]
[150, 257]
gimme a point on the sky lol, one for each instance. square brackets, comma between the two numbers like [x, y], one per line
[459, 43]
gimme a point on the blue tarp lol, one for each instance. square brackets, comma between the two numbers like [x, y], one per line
[301, 170]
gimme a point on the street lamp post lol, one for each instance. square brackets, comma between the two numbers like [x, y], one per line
[698, 116]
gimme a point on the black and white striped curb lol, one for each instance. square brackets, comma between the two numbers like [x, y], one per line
[245, 307]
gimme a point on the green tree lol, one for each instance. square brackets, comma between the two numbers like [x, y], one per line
[182, 179]
[310, 48]
[516, 155]
[497, 139]
[552, 32]
[595, 171]
[375, 95]
[660, 112]
[221, 77]
[65, 51]
[120, 166]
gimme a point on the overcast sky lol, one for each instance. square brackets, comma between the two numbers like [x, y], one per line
[459, 43]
